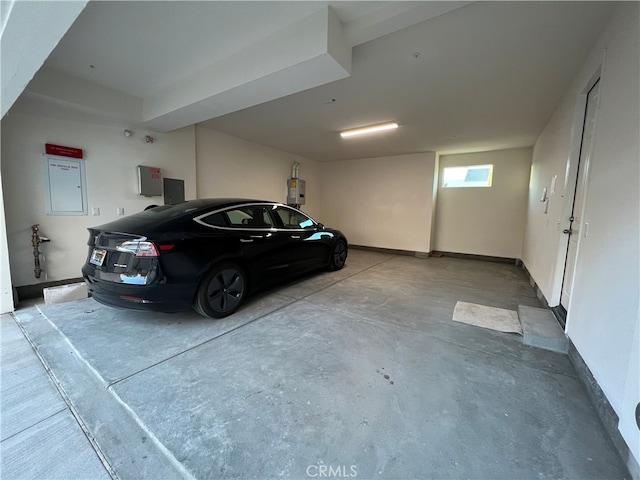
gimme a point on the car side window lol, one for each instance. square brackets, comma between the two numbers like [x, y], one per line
[216, 220]
[293, 219]
[249, 217]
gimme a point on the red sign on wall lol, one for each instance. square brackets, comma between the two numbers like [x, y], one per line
[72, 152]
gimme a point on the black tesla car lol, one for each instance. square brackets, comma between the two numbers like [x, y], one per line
[205, 254]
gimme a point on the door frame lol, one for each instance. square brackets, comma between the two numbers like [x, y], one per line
[570, 181]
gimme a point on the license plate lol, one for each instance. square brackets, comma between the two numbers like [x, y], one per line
[98, 256]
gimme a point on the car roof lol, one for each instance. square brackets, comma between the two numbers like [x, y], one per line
[156, 219]
[226, 202]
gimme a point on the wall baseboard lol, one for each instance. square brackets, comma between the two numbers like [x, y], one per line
[437, 254]
[605, 411]
[27, 292]
[471, 256]
[533, 283]
[392, 251]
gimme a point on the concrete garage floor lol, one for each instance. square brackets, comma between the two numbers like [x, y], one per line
[357, 373]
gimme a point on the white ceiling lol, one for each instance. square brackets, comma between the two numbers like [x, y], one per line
[456, 76]
[141, 47]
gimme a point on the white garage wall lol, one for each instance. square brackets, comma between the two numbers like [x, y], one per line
[485, 221]
[604, 312]
[110, 163]
[6, 294]
[231, 167]
[383, 202]
[543, 232]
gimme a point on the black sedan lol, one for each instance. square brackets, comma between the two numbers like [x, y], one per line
[205, 254]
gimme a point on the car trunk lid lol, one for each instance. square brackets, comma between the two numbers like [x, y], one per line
[122, 257]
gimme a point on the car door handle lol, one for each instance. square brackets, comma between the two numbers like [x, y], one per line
[246, 240]
[296, 236]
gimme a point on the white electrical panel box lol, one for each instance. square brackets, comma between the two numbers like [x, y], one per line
[66, 186]
[149, 181]
[296, 191]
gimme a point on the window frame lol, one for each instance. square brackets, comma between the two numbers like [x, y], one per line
[280, 221]
[489, 181]
[278, 225]
[223, 216]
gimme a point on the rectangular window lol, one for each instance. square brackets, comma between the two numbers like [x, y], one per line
[470, 176]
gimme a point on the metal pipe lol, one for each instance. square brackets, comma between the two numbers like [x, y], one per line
[36, 240]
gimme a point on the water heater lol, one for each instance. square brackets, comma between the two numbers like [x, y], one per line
[296, 191]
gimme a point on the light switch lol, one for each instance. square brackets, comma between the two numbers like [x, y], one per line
[95, 211]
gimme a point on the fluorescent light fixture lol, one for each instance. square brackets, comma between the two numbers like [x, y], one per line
[371, 129]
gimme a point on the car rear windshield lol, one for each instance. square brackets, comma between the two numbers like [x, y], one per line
[165, 212]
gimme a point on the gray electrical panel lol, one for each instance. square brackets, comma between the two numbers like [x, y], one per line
[149, 181]
[296, 191]
[173, 190]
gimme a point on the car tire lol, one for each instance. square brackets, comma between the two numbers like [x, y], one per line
[222, 291]
[338, 255]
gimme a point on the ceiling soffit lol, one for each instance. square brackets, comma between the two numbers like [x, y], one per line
[309, 53]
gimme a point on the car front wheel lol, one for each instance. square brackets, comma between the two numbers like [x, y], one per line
[338, 255]
[222, 291]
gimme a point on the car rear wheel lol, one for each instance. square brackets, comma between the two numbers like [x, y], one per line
[222, 291]
[338, 255]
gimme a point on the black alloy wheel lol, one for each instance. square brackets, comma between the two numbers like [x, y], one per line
[222, 291]
[338, 255]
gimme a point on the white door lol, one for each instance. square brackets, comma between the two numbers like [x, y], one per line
[575, 220]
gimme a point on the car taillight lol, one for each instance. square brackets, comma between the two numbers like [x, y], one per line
[139, 248]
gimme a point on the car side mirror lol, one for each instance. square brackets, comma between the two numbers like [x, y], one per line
[319, 226]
